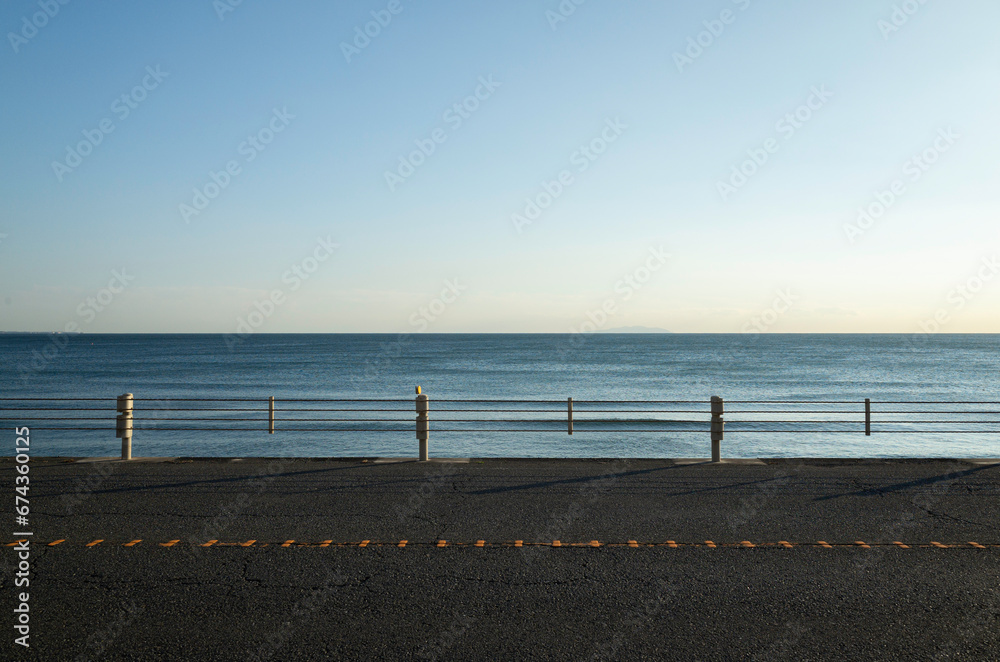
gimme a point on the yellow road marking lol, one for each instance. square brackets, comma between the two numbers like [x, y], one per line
[554, 543]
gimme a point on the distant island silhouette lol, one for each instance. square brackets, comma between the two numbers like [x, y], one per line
[636, 329]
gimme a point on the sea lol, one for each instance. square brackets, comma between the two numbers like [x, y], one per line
[505, 395]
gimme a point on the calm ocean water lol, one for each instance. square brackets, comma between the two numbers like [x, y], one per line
[538, 366]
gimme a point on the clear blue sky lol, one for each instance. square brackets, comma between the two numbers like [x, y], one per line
[682, 126]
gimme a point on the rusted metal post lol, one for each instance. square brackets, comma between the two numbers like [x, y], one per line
[868, 417]
[422, 424]
[569, 407]
[718, 426]
[123, 424]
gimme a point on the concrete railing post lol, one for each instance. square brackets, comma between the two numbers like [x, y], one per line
[270, 415]
[123, 426]
[422, 424]
[718, 426]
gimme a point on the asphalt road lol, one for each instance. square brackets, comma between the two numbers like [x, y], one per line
[308, 586]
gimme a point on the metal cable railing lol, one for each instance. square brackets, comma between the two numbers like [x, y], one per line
[394, 416]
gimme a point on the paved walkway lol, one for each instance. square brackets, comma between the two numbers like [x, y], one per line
[523, 559]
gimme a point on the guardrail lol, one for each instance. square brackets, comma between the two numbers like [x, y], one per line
[482, 416]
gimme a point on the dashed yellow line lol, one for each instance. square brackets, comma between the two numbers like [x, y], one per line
[593, 544]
